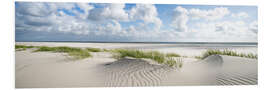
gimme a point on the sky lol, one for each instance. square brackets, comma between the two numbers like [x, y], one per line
[52, 21]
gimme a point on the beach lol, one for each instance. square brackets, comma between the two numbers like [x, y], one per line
[59, 70]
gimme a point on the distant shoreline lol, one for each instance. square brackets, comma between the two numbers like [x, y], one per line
[139, 45]
[234, 43]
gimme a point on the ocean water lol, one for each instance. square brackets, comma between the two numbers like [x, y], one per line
[189, 44]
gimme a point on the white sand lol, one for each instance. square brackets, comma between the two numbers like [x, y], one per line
[216, 70]
[49, 70]
[46, 69]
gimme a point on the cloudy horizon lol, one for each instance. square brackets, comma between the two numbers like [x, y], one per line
[43, 21]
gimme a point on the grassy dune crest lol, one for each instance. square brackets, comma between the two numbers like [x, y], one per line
[172, 55]
[22, 47]
[227, 52]
[78, 53]
[160, 58]
[94, 49]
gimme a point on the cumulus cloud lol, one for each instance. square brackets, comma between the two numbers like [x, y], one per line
[86, 8]
[225, 31]
[208, 26]
[180, 19]
[48, 17]
[240, 15]
[254, 27]
[181, 16]
[211, 14]
[33, 9]
[146, 12]
[110, 11]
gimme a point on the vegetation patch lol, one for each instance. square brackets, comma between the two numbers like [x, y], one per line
[198, 57]
[171, 62]
[22, 47]
[160, 58]
[154, 55]
[94, 49]
[227, 52]
[106, 50]
[78, 53]
[75, 52]
[172, 55]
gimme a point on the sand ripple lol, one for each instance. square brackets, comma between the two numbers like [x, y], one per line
[232, 71]
[135, 72]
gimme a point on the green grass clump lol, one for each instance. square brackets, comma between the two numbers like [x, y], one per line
[22, 47]
[75, 52]
[80, 54]
[160, 58]
[229, 53]
[106, 50]
[154, 55]
[59, 49]
[94, 49]
[198, 57]
[174, 62]
[172, 55]
[180, 65]
[171, 62]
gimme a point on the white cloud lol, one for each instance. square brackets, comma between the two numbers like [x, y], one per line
[211, 14]
[86, 8]
[47, 17]
[72, 26]
[146, 12]
[56, 6]
[114, 27]
[181, 16]
[33, 9]
[225, 31]
[180, 19]
[254, 27]
[108, 19]
[240, 15]
[110, 11]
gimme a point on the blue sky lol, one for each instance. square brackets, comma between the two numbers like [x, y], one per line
[41, 21]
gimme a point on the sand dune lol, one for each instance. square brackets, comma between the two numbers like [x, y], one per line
[135, 72]
[50, 70]
[238, 71]
[216, 70]
[56, 70]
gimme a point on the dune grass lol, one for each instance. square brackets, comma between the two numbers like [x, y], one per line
[94, 49]
[160, 58]
[77, 53]
[107, 50]
[171, 62]
[22, 47]
[172, 55]
[226, 52]
[198, 57]
[154, 55]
